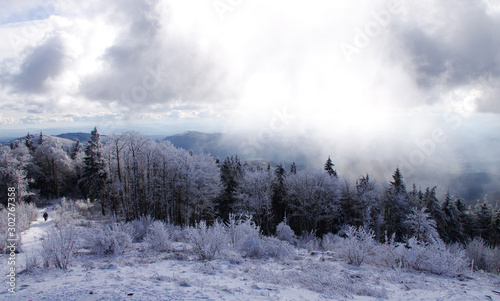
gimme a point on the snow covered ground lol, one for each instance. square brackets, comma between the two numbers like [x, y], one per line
[142, 274]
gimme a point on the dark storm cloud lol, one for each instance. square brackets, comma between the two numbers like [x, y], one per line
[42, 62]
[462, 47]
[149, 65]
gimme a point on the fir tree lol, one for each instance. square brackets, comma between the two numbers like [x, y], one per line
[278, 195]
[329, 168]
[293, 168]
[94, 175]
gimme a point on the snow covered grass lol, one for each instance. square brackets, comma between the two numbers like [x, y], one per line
[235, 262]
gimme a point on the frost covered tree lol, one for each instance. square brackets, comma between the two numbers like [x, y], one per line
[93, 176]
[329, 168]
[421, 226]
[453, 227]
[395, 206]
[314, 203]
[13, 171]
[254, 197]
[230, 171]
[278, 197]
[55, 168]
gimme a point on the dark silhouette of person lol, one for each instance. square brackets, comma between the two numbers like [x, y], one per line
[45, 216]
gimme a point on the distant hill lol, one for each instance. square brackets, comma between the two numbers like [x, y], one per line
[216, 144]
[83, 137]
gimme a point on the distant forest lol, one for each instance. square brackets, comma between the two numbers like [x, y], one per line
[131, 175]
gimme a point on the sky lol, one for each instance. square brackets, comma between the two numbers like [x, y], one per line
[411, 82]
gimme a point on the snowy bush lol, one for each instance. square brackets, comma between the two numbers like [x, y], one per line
[25, 214]
[357, 245]
[437, 258]
[239, 229]
[442, 260]
[309, 241]
[329, 241]
[250, 246]
[83, 206]
[110, 239]
[275, 248]
[285, 233]
[208, 242]
[477, 252]
[58, 246]
[141, 227]
[257, 247]
[158, 237]
[483, 257]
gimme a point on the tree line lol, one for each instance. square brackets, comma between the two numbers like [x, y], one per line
[131, 175]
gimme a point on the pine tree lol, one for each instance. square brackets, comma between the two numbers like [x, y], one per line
[293, 168]
[278, 195]
[329, 168]
[395, 206]
[77, 148]
[94, 175]
[453, 228]
[29, 143]
[231, 170]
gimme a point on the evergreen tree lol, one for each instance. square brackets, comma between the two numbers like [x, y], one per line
[395, 206]
[329, 168]
[77, 148]
[293, 168]
[230, 171]
[29, 143]
[94, 175]
[278, 195]
[453, 228]
[434, 209]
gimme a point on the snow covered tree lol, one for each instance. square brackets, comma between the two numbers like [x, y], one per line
[13, 171]
[56, 168]
[293, 168]
[254, 197]
[93, 176]
[278, 196]
[314, 202]
[230, 172]
[329, 168]
[395, 206]
[421, 226]
[453, 228]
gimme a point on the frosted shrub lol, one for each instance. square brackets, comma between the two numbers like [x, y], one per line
[59, 245]
[158, 237]
[309, 241]
[208, 242]
[112, 239]
[329, 241]
[239, 229]
[141, 227]
[83, 206]
[357, 245]
[26, 213]
[285, 233]
[437, 257]
[442, 260]
[250, 246]
[257, 247]
[477, 251]
[275, 248]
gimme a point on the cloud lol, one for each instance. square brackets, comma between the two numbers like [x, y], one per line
[148, 64]
[41, 64]
[451, 46]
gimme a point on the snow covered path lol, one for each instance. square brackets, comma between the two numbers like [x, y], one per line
[141, 274]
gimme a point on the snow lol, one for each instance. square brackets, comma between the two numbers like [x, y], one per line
[143, 274]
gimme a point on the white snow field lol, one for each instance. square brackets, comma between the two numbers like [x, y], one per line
[142, 274]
